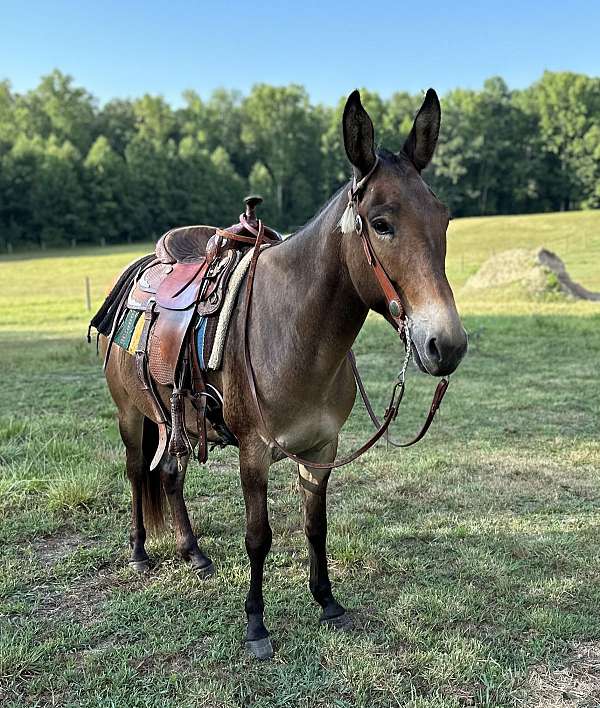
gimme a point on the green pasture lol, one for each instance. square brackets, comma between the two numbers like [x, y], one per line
[471, 563]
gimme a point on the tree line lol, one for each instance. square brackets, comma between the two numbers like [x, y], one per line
[74, 171]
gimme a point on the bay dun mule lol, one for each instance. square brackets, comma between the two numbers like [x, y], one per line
[311, 296]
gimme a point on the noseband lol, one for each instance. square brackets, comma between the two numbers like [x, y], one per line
[395, 315]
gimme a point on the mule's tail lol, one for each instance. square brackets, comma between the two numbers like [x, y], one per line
[153, 495]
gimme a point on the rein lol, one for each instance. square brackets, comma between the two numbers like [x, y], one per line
[395, 315]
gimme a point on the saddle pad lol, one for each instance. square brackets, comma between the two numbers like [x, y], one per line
[205, 339]
[235, 282]
[129, 331]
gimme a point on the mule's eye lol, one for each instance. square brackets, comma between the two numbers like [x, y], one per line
[382, 227]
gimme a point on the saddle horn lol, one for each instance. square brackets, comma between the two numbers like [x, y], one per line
[251, 202]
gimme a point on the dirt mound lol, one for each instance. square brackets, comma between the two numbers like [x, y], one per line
[539, 271]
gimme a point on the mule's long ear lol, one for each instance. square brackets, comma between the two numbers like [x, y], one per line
[359, 136]
[422, 139]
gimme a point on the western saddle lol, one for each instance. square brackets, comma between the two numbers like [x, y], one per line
[186, 281]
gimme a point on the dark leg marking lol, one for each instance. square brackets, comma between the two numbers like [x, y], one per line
[258, 544]
[173, 478]
[313, 486]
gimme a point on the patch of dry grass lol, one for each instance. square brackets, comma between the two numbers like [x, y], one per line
[574, 683]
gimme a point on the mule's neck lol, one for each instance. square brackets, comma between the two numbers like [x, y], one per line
[329, 310]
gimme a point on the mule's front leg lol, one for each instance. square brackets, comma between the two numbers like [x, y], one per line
[172, 475]
[258, 544]
[313, 486]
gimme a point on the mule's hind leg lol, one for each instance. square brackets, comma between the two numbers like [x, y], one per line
[131, 425]
[258, 543]
[173, 477]
[313, 489]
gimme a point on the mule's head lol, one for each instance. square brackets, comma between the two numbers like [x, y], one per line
[406, 225]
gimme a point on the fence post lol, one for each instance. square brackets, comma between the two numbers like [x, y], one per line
[88, 296]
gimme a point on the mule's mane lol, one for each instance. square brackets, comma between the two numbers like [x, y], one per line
[318, 216]
[398, 160]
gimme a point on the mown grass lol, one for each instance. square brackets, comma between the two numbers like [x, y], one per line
[469, 561]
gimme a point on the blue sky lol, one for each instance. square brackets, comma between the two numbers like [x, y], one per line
[128, 48]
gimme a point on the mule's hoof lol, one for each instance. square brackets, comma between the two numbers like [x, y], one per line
[142, 566]
[204, 571]
[342, 623]
[260, 649]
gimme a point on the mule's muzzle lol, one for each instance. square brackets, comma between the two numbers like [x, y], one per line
[440, 353]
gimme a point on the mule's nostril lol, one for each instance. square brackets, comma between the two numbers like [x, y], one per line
[433, 351]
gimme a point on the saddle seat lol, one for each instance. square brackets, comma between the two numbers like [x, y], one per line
[185, 244]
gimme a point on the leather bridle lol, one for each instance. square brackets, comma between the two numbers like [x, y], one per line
[395, 314]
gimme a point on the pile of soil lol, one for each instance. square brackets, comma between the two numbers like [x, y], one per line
[539, 271]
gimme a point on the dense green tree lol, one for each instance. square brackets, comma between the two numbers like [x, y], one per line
[217, 123]
[281, 127]
[155, 120]
[190, 176]
[58, 108]
[71, 170]
[148, 188]
[8, 124]
[227, 188]
[20, 167]
[486, 162]
[568, 109]
[260, 182]
[117, 122]
[106, 191]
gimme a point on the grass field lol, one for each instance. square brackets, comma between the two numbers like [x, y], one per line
[471, 562]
